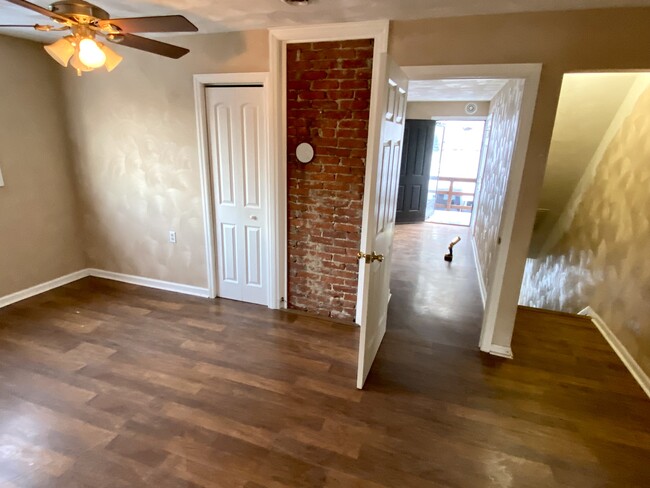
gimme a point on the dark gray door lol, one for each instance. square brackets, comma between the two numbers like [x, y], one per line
[414, 171]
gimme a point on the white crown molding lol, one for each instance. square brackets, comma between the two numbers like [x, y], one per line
[621, 351]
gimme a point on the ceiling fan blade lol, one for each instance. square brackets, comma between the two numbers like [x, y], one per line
[16, 25]
[162, 23]
[40, 10]
[153, 46]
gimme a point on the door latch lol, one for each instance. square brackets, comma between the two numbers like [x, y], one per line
[370, 257]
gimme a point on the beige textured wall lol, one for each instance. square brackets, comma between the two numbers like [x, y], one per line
[428, 110]
[563, 41]
[39, 238]
[601, 259]
[587, 104]
[136, 153]
[493, 181]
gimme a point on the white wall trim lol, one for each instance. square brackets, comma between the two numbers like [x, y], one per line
[630, 363]
[479, 273]
[202, 81]
[109, 275]
[278, 40]
[566, 217]
[42, 287]
[495, 314]
[501, 351]
[150, 282]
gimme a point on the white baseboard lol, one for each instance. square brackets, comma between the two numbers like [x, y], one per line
[481, 285]
[501, 351]
[42, 288]
[630, 363]
[150, 283]
[109, 275]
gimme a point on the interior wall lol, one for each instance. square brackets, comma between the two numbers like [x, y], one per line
[600, 260]
[587, 105]
[136, 151]
[493, 180]
[432, 110]
[328, 104]
[39, 231]
[586, 40]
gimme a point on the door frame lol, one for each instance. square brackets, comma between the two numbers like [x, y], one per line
[278, 40]
[201, 82]
[497, 313]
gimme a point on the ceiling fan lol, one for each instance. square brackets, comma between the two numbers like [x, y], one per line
[86, 22]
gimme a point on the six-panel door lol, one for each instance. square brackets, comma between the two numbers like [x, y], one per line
[237, 133]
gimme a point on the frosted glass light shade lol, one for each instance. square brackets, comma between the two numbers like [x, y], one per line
[61, 51]
[112, 58]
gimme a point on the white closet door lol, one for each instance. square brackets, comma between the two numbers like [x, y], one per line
[237, 131]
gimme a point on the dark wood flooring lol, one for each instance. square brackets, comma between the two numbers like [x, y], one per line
[112, 385]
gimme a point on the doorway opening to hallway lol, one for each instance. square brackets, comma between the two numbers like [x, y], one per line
[455, 160]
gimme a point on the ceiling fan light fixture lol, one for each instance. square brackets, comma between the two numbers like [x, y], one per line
[61, 50]
[76, 63]
[297, 3]
[90, 54]
[112, 58]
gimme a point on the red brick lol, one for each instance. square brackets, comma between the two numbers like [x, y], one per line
[354, 85]
[312, 75]
[328, 103]
[323, 85]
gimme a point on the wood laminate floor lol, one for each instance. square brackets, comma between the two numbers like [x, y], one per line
[112, 385]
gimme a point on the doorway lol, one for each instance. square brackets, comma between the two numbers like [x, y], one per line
[510, 125]
[455, 159]
[231, 113]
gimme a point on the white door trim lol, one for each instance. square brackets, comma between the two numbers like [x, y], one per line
[201, 81]
[531, 74]
[278, 40]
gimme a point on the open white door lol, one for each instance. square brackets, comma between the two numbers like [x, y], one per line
[379, 205]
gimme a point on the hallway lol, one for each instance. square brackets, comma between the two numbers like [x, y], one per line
[428, 289]
[564, 412]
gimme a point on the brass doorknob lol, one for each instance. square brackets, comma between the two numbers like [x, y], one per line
[370, 257]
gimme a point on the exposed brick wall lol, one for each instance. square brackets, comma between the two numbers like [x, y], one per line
[328, 103]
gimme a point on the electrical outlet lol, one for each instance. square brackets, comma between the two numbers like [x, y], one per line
[172, 236]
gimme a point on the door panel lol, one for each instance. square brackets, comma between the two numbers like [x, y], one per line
[251, 157]
[253, 258]
[229, 252]
[380, 200]
[414, 171]
[237, 147]
[222, 121]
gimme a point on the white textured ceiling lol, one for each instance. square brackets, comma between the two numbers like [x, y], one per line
[459, 90]
[233, 15]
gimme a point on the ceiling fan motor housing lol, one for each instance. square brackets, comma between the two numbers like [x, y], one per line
[82, 12]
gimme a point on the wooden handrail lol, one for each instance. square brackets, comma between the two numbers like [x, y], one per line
[451, 193]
